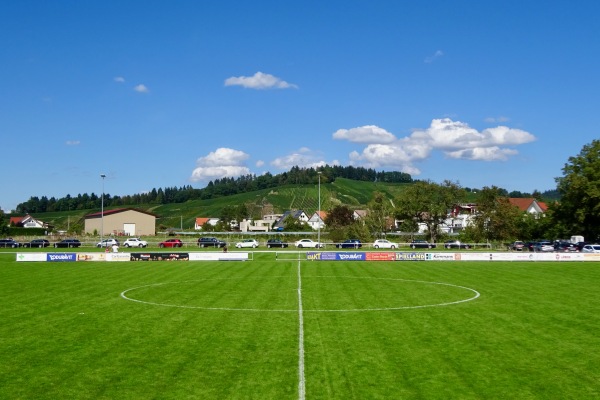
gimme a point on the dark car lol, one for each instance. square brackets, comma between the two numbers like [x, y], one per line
[171, 243]
[349, 244]
[210, 242]
[276, 243]
[565, 247]
[37, 243]
[9, 243]
[421, 244]
[68, 243]
[517, 246]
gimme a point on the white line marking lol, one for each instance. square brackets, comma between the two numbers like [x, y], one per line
[475, 296]
[301, 378]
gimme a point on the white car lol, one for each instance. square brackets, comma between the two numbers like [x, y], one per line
[247, 243]
[307, 243]
[107, 243]
[384, 244]
[591, 248]
[135, 242]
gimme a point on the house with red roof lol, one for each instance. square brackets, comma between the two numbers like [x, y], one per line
[529, 205]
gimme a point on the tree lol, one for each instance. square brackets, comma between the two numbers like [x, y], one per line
[578, 212]
[338, 217]
[380, 210]
[3, 224]
[428, 203]
[496, 218]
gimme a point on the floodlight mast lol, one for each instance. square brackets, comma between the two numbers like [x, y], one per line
[319, 214]
[102, 211]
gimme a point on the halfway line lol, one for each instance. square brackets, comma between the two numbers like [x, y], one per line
[301, 380]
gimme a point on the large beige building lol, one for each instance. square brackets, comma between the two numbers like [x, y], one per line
[121, 221]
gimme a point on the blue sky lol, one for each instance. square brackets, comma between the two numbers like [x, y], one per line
[161, 94]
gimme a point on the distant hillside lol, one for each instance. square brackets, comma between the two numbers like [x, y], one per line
[355, 194]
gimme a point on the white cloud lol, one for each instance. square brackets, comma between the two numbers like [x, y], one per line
[141, 89]
[259, 81]
[365, 134]
[260, 163]
[73, 143]
[119, 79]
[223, 162]
[303, 158]
[455, 139]
[434, 56]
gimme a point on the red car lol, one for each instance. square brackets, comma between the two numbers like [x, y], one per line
[171, 243]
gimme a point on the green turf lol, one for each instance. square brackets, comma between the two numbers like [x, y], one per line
[231, 330]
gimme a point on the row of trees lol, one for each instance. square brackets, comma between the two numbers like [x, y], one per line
[214, 189]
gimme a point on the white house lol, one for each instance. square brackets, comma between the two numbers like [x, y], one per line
[317, 220]
[200, 221]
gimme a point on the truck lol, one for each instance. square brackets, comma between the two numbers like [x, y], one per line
[576, 239]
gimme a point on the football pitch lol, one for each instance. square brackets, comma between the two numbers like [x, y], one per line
[289, 329]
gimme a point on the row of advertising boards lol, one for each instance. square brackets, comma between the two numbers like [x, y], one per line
[311, 256]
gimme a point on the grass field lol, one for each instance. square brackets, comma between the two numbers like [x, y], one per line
[267, 329]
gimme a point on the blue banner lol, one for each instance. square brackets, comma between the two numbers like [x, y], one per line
[335, 256]
[61, 257]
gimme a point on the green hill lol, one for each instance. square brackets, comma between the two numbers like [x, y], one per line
[355, 194]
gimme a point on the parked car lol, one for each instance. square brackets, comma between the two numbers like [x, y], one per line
[563, 246]
[528, 246]
[591, 248]
[135, 242]
[544, 246]
[68, 243]
[247, 243]
[349, 244]
[307, 243]
[37, 243]
[384, 244]
[517, 246]
[171, 243]
[9, 243]
[276, 243]
[456, 244]
[107, 243]
[421, 244]
[210, 242]
[580, 245]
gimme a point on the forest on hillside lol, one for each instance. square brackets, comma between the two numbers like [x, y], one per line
[214, 189]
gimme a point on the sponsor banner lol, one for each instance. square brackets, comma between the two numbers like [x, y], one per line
[118, 257]
[160, 256]
[320, 256]
[381, 256]
[569, 256]
[61, 257]
[350, 256]
[443, 256]
[413, 256]
[475, 256]
[501, 257]
[31, 257]
[335, 256]
[218, 256]
[91, 257]
[591, 256]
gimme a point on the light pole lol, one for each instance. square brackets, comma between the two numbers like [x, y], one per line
[102, 210]
[319, 213]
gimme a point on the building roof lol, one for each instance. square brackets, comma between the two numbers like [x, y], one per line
[116, 211]
[15, 220]
[525, 204]
[201, 221]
